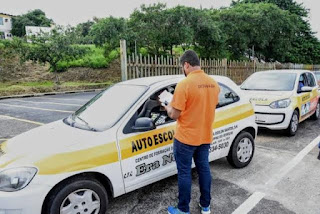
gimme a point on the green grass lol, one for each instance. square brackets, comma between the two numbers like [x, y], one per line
[95, 58]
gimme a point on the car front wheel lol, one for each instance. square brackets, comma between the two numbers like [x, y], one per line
[241, 151]
[79, 196]
[294, 124]
[316, 114]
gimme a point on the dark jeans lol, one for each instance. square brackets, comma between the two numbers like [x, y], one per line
[183, 155]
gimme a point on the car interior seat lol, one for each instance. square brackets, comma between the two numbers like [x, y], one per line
[151, 103]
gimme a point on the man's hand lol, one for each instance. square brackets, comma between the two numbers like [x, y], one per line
[172, 112]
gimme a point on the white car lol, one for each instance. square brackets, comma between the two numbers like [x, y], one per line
[111, 146]
[283, 98]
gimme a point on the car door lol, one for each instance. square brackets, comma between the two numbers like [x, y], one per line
[146, 156]
[314, 96]
[229, 112]
[307, 100]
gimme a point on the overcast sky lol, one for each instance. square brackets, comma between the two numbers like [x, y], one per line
[72, 12]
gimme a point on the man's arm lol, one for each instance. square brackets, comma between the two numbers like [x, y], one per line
[172, 112]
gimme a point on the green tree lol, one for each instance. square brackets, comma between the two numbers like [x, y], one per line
[108, 31]
[290, 5]
[209, 38]
[84, 28]
[53, 49]
[32, 18]
[263, 26]
[177, 29]
[180, 26]
[147, 25]
[304, 45]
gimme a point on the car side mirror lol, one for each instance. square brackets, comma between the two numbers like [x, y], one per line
[143, 124]
[306, 89]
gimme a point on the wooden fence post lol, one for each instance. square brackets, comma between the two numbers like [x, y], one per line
[123, 57]
[225, 66]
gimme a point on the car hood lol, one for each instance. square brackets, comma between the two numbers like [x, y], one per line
[41, 142]
[266, 97]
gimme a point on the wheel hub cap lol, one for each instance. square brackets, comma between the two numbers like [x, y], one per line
[84, 201]
[294, 124]
[244, 150]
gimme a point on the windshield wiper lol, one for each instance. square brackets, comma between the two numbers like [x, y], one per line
[85, 122]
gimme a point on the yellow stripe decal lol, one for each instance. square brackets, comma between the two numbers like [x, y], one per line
[232, 115]
[78, 160]
[151, 140]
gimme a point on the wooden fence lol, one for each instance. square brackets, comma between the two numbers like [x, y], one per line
[137, 66]
[146, 66]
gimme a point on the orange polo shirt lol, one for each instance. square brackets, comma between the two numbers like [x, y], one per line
[196, 97]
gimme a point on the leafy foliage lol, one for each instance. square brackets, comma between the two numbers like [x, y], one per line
[290, 5]
[53, 49]
[32, 18]
[270, 30]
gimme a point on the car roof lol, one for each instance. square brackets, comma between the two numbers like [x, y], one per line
[294, 71]
[148, 81]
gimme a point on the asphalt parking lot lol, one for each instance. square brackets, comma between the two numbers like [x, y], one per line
[283, 176]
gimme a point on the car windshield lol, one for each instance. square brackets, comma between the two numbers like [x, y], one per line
[271, 81]
[106, 108]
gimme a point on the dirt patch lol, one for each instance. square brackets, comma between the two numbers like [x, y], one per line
[99, 75]
[13, 76]
[31, 72]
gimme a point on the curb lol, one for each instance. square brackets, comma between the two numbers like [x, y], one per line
[49, 93]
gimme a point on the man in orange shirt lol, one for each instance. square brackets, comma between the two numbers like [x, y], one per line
[193, 106]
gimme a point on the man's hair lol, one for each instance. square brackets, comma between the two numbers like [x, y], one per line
[190, 57]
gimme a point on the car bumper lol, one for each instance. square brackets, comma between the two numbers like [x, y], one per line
[26, 201]
[275, 119]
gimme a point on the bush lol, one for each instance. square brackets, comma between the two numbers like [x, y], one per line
[95, 58]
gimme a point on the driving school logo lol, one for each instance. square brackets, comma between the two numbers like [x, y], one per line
[150, 141]
[259, 99]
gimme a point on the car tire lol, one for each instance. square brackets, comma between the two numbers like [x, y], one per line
[294, 124]
[316, 114]
[241, 151]
[83, 195]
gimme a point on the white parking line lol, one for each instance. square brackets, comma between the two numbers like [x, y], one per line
[64, 104]
[254, 199]
[43, 109]
[22, 120]
[62, 99]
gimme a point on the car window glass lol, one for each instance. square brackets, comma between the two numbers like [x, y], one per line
[311, 80]
[303, 81]
[152, 109]
[226, 96]
[105, 109]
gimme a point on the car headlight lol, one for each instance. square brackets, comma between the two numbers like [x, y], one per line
[16, 178]
[280, 103]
